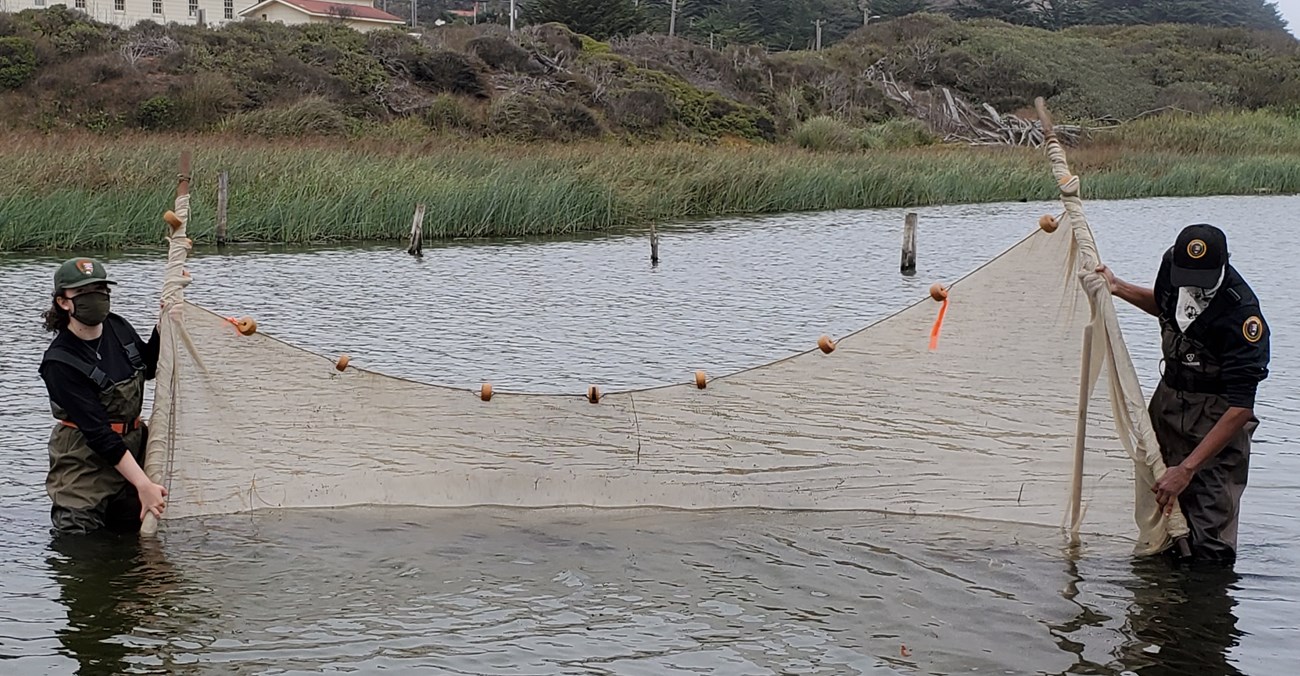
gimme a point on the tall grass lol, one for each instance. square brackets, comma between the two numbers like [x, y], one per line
[95, 192]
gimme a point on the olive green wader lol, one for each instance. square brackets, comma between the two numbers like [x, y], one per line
[89, 493]
[1186, 405]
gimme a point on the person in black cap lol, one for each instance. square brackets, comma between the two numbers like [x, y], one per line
[1215, 345]
[94, 370]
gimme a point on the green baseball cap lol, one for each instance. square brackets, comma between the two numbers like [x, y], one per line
[78, 272]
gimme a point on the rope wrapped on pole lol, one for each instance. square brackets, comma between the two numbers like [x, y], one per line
[1105, 344]
[157, 464]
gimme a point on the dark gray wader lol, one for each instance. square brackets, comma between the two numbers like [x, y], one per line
[1186, 405]
[88, 493]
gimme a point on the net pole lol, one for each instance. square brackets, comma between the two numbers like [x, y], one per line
[1143, 445]
[159, 448]
[1080, 439]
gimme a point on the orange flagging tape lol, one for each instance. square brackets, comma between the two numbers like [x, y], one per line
[938, 324]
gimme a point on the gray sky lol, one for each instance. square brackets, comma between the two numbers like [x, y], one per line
[1291, 12]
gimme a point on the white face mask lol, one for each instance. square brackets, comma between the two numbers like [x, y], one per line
[1192, 301]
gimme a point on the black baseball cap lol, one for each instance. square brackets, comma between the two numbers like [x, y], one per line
[1200, 255]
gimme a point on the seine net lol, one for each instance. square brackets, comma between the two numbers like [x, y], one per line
[979, 419]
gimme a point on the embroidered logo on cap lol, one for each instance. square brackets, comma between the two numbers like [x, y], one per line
[86, 266]
[1196, 249]
[1253, 329]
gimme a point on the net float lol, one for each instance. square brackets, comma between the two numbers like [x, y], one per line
[172, 219]
[485, 392]
[246, 325]
[342, 362]
[938, 291]
[593, 394]
[700, 379]
[826, 344]
[1048, 223]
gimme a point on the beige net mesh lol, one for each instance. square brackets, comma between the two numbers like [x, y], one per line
[983, 426]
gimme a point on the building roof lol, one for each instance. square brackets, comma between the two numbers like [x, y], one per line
[332, 9]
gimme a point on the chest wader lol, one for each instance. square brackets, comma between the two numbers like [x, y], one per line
[1186, 405]
[89, 493]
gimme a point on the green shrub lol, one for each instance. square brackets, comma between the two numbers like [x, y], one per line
[17, 62]
[896, 134]
[502, 54]
[159, 112]
[313, 116]
[529, 117]
[824, 133]
[447, 112]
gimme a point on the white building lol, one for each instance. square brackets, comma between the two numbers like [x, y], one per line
[359, 14]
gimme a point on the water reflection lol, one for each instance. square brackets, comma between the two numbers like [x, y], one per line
[1183, 619]
[476, 592]
[111, 586]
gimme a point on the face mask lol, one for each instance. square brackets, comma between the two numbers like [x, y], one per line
[90, 309]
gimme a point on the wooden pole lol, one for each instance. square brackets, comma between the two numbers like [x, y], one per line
[416, 246]
[1080, 437]
[908, 264]
[149, 525]
[654, 245]
[223, 185]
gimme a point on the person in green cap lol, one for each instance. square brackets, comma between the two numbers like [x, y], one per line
[94, 370]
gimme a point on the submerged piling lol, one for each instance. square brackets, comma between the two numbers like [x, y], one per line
[223, 187]
[415, 247]
[908, 265]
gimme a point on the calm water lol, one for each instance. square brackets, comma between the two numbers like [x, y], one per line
[637, 592]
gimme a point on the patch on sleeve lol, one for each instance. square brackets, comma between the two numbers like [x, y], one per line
[1253, 329]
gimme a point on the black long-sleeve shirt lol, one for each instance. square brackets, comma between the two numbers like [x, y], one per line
[75, 393]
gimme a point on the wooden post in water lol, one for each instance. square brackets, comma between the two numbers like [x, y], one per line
[223, 185]
[908, 265]
[416, 246]
[654, 245]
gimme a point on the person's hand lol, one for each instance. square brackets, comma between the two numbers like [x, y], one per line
[1170, 486]
[1112, 282]
[152, 499]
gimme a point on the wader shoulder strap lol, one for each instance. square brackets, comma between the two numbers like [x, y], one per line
[127, 338]
[97, 376]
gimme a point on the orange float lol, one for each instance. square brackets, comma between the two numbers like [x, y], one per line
[700, 379]
[939, 293]
[172, 219]
[826, 344]
[342, 362]
[485, 392]
[246, 325]
[1048, 223]
[593, 394]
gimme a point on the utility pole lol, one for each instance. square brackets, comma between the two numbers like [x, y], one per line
[818, 24]
[512, 16]
[414, 19]
[672, 20]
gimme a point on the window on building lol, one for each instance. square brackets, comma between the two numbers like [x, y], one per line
[119, 5]
[80, 4]
[157, 6]
[229, 6]
[194, 7]
[40, 3]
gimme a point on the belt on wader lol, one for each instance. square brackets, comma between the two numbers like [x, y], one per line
[122, 428]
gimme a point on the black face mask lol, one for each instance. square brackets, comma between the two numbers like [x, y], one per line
[91, 308]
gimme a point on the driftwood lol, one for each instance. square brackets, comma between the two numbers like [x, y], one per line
[960, 121]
